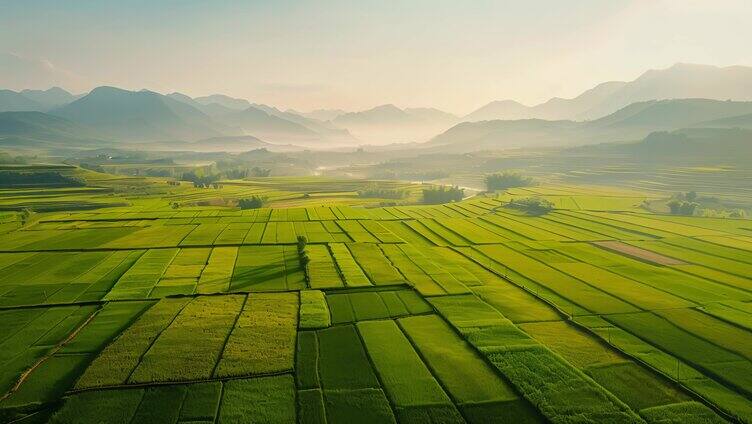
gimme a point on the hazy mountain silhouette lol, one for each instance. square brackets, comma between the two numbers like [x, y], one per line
[320, 114]
[388, 123]
[11, 101]
[50, 98]
[226, 101]
[275, 125]
[259, 123]
[629, 123]
[741, 121]
[141, 116]
[691, 143]
[210, 109]
[677, 82]
[34, 129]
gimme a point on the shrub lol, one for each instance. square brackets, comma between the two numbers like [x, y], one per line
[682, 207]
[505, 180]
[45, 178]
[254, 202]
[442, 194]
[304, 259]
[532, 205]
[374, 191]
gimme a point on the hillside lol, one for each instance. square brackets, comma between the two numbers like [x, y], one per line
[29, 129]
[677, 82]
[141, 116]
[11, 101]
[388, 124]
[225, 101]
[732, 144]
[630, 123]
[259, 123]
[50, 98]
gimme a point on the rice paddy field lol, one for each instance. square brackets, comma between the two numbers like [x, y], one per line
[132, 310]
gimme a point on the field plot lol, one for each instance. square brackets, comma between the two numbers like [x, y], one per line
[597, 311]
[62, 277]
[239, 336]
[70, 346]
[267, 399]
[365, 305]
[267, 268]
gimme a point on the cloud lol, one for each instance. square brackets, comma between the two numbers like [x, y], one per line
[17, 73]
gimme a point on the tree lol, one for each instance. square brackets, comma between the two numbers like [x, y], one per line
[682, 207]
[443, 194]
[532, 205]
[254, 202]
[303, 255]
[505, 180]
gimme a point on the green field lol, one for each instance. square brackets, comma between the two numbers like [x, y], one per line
[130, 309]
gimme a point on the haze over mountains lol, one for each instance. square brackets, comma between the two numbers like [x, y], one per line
[679, 81]
[633, 122]
[682, 96]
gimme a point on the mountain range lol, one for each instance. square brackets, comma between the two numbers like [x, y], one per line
[388, 124]
[682, 96]
[680, 81]
[632, 122]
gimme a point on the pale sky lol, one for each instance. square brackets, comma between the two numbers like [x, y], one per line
[356, 54]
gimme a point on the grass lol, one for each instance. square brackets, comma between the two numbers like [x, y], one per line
[307, 361]
[314, 310]
[201, 402]
[562, 393]
[721, 363]
[481, 334]
[464, 374]
[406, 379]
[343, 364]
[263, 339]
[112, 406]
[311, 408]
[681, 413]
[160, 404]
[171, 359]
[266, 399]
[118, 360]
[368, 406]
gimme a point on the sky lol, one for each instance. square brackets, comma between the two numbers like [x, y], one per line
[353, 55]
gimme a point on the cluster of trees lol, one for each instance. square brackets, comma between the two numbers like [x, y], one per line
[505, 180]
[200, 179]
[682, 207]
[241, 173]
[381, 193]
[443, 194]
[42, 178]
[303, 255]
[683, 204]
[254, 202]
[532, 205]
[92, 167]
[7, 159]
[389, 174]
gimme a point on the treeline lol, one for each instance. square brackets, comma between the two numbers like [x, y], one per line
[531, 205]
[254, 202]
[381, 193]
[506, 180]
[42, 178]
[206, 178]
[443, 194]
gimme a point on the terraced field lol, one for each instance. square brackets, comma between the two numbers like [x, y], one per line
[596, 312]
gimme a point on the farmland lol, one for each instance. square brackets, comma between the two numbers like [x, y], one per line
[150, 302]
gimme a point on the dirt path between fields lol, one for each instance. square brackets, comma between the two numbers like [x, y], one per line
[639, 253]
